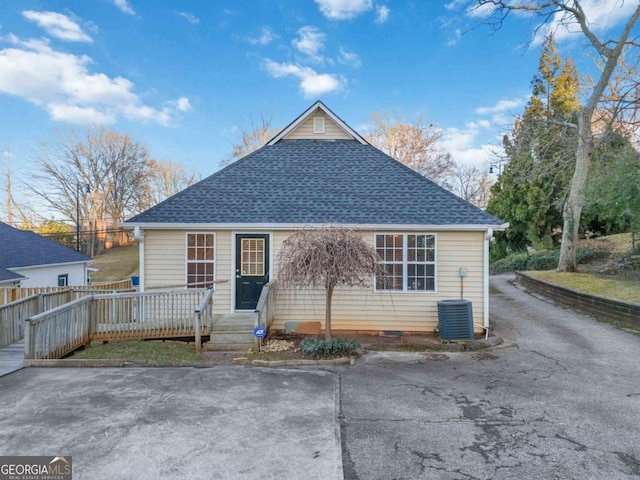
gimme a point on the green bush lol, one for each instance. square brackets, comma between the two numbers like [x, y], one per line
[512, 262]
[587, 251]
[335, 347]
[544, 260]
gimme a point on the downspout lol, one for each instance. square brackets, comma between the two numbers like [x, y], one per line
[138, 234]
[487, 240]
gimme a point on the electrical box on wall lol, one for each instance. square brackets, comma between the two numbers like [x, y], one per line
[463, 271]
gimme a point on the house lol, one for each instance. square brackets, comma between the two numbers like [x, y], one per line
[29, 260]
[229, 228]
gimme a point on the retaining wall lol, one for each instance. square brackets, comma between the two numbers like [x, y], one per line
[592, 304]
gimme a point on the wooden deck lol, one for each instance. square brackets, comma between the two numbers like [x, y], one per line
[11, 358]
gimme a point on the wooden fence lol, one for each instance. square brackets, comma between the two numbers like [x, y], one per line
[13, 314]
[57, 332]
[12, 294]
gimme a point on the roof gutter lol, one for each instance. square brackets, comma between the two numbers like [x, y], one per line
[297, 226]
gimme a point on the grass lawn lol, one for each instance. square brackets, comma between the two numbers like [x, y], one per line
[622, 242]
[626, 290]
[155, 353]
[116, 264]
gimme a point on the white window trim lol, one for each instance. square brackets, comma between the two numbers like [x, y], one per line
[318, 125]
[405, 263]
[186, 257]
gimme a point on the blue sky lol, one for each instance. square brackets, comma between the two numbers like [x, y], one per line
[185, 77]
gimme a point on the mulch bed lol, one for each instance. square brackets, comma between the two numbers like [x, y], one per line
[368, 341]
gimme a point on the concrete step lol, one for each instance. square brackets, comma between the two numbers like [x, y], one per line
[231, 328]
[232, 338]
[234, 347]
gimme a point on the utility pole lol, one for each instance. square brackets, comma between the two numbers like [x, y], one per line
[7, 156]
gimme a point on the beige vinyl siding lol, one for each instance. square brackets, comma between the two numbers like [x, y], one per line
[361, 309]
[164, 259]
[165, 263]
[331, 130]
[365, 309]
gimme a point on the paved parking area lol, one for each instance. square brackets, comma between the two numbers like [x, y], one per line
[186, 423]
[561, 402]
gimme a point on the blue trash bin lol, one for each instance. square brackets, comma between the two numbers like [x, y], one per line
[135, 280]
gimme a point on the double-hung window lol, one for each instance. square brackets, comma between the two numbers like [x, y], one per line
[408, 261]
[200, 260]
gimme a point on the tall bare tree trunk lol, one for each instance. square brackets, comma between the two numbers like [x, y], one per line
[327, 312]
[575, 201]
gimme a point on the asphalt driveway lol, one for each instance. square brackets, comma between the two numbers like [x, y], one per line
[561, 402]
[215, 423]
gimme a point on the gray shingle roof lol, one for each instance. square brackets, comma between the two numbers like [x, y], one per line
[317, 182]
[9, 275]
[20, 248]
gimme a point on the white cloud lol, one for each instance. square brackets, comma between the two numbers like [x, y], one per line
[454, 38]
[502, 106]
[62, 84]
[349, 58]
[190, 17]
[79, 115]
[343, 9]
[601, 15]
[183, 104]
[312, 83]
[472, 8]
[265, 38]
[124, 7]
[310, 42]
[455, 4]
[504, 111]
[57, 25]
[461, 144]
[382, 14]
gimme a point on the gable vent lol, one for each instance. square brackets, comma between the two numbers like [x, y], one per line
[318, 125]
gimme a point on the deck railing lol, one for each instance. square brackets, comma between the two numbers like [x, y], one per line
[203, 318]
[56, 332]
[114, 316]
[13, 315]
[145, 315]
[266, 306]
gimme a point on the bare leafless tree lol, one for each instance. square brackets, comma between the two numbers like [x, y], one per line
[165, 179]
[326, 257]
[95, 178]
[565, 13]
[257, 134]
[413, 144]
[471, 184]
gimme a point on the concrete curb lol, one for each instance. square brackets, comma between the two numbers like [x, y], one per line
[299, 362]
[84, 363]
[454, 347]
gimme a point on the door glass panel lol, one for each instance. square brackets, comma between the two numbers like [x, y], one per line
[252, 255]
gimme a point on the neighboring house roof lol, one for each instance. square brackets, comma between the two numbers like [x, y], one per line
[20, 248]
[316, 182]
[8, 275]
